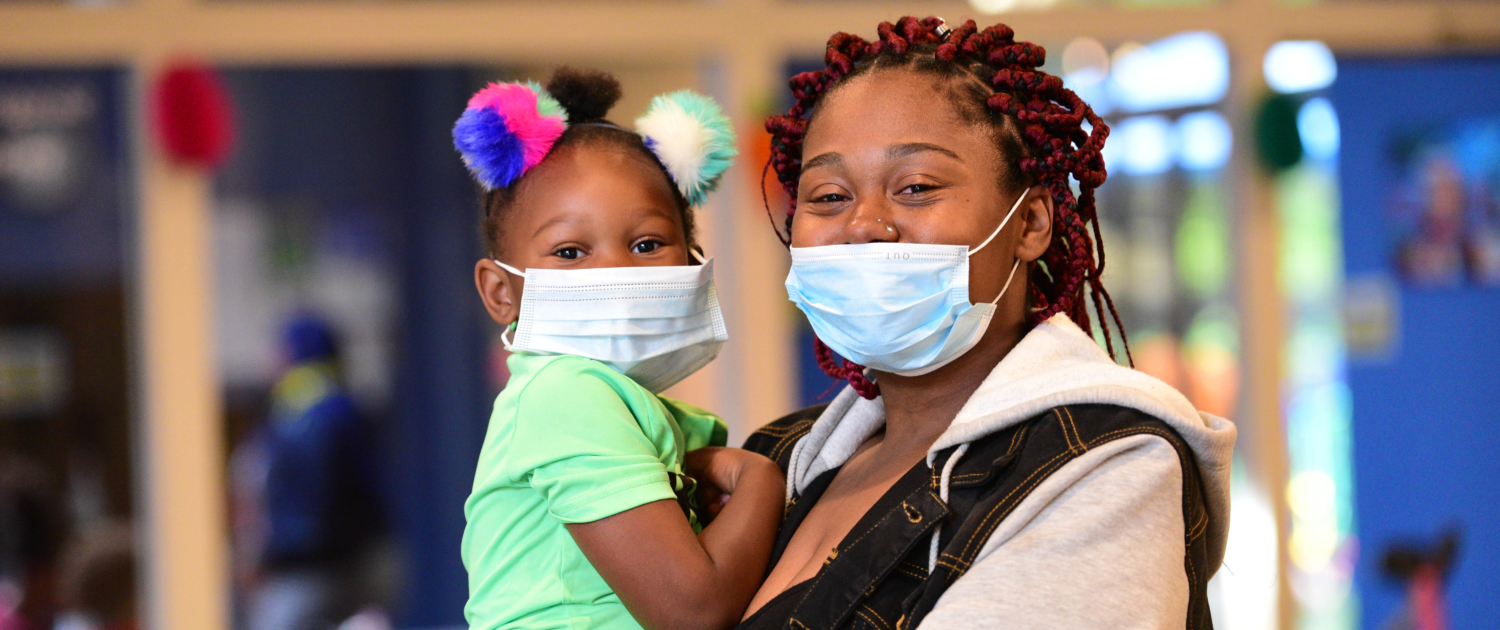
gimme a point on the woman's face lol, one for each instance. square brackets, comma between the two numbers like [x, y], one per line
[888, 158]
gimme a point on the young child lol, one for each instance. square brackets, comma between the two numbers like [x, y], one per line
[583, 513]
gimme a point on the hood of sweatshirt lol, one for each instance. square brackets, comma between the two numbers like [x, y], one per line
[1055, 364]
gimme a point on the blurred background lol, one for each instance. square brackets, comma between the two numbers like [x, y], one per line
[244, 376]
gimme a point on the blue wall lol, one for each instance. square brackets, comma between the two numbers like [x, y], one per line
[1426, 421]
[73, 234]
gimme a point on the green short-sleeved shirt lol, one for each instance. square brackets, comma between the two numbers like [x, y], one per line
[570, 441]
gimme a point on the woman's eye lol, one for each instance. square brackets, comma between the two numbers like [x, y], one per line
[829, 198]
[646, 247]
[568, 253]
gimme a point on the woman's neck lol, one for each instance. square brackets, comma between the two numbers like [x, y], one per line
[918, 409]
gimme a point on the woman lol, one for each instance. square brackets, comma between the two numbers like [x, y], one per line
[989, 464]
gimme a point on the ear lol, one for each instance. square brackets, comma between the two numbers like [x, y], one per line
[1036, 224]
[499, 290]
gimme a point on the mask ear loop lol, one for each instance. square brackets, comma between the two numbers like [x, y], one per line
[1008, 215]
[697, 255]
[504, 341]
[1008, 280]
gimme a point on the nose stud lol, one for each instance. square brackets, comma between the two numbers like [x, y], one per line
[887, 228]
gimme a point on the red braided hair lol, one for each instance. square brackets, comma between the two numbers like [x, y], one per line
[1040, 128]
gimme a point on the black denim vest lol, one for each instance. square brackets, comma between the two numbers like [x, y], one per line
[877, 576]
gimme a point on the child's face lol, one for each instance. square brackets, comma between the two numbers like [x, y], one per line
[585, 207]
[594, 206]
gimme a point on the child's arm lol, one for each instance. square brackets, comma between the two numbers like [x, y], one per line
[667, 577]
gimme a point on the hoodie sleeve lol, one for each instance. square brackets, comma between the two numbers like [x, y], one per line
[1099, 544]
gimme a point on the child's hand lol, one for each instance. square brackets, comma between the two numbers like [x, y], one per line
[718, 471]
[683, 579]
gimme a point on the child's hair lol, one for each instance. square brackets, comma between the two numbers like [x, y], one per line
[1039, 129]
[586, 96]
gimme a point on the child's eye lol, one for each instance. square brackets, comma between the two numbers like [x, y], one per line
[646, 247]
[914, 189]
[568, 253]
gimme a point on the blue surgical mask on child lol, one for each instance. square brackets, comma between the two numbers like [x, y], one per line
[656, 325]
[901, 308]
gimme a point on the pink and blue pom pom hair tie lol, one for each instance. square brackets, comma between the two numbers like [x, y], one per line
[509, 127]
[506, 130]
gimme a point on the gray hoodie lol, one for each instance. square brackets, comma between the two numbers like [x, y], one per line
[1100, 542]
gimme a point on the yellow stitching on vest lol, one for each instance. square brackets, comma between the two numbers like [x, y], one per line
[954, 574]
[1182, 462]
[1063, 425]
[985, 520]
[787, 442]
[991, 529]
[1008, 496]
[1015, 440]
[956, 559]
[982, 523]
[1192, 574]
[783, 430]
[1200, 528]
[866, 607]
[954, 563]
[792, 437]
[1075, 429]
[910, 572]
[906, 507]
[882, 520]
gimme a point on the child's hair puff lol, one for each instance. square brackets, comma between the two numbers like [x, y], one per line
[586, 95]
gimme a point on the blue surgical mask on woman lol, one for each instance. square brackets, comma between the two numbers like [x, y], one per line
[901, 308]
[656, 325]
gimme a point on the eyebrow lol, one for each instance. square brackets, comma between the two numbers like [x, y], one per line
[910, 148]
[823, 159]
[895, 152]
[561, 218]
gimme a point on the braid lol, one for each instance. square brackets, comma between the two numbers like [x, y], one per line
[850, 370]
[1032, 110]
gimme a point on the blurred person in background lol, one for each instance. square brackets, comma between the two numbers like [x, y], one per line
[97, 585]
[306, 514]
[32, 527]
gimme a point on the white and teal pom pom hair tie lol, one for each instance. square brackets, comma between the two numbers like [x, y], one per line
[692, 137]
